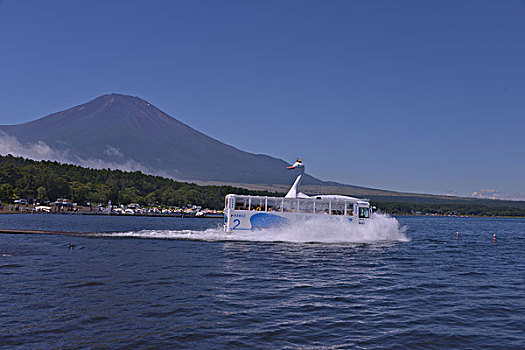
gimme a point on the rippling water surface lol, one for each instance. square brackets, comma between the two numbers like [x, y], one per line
[134, 282]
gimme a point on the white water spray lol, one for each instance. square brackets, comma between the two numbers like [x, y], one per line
[381, 228]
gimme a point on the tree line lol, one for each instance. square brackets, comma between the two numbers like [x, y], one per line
[403, 208]
[50, 180]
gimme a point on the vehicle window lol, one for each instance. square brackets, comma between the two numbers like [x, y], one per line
[321, 207]
[364, 213]
[338, 208]
[241, 204]
[290, 205]
[306, 206]
[257, 204]
[274, 204]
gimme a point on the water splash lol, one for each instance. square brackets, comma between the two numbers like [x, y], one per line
[382, 228]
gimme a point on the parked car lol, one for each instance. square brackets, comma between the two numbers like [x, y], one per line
[21, 201]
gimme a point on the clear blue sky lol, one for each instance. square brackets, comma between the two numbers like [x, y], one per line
[420, 96]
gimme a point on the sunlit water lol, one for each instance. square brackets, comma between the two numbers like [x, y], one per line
[135, 282]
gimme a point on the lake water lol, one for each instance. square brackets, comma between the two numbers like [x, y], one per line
[136, 282]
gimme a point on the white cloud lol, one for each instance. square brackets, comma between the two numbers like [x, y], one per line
[113, 151]
[38, 151]
[128, 165]
[41, 151]
[490, 193]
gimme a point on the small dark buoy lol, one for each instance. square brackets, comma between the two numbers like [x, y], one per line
[71, 246]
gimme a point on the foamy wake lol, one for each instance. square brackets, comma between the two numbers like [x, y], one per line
[382, 228]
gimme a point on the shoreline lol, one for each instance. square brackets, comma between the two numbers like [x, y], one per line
[178, 215]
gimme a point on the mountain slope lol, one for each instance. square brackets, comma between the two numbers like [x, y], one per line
[126, 132]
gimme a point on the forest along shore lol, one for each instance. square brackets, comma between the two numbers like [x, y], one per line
[28, 182]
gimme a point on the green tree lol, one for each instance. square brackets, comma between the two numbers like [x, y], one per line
[79, 191]
[7, 193]
[99, 194]
[59, 188]
[129, 195]
[41, 193]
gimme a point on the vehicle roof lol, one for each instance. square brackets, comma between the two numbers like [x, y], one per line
[324, 197]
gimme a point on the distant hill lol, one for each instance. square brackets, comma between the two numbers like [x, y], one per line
[128, 133]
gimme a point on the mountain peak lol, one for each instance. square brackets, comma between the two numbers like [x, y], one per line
[127, 132]
[112, 98]
[115, 95]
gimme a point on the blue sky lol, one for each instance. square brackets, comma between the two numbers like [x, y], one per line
[419, 96]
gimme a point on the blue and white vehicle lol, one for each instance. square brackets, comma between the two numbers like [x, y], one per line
[258, 212]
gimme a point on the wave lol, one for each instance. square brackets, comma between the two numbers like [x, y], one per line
[381, 228]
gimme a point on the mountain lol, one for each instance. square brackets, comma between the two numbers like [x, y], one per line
[128, 133]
